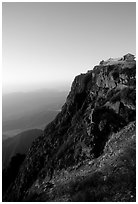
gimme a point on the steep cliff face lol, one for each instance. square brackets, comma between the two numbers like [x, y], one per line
[100, 103]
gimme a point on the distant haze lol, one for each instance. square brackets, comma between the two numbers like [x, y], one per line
[22, 111]
[45, 45]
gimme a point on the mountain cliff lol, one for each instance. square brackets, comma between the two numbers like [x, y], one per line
[87, 153]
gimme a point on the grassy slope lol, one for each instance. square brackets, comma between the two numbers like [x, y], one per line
[111, 177]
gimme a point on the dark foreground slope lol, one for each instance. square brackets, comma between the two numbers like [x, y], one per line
[88, 152]
[18, 144]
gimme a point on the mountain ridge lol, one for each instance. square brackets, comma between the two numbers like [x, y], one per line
[100, 104]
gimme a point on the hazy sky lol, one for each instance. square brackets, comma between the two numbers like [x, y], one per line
[48, 44]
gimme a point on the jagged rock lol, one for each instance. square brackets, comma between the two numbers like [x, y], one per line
[129, 57]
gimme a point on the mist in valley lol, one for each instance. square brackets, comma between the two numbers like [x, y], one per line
[27, 110]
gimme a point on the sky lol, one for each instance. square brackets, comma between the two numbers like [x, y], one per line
[45, 45]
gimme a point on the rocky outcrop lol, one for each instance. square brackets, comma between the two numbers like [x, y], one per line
[101, 102]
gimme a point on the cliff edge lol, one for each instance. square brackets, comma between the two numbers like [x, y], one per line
[87, 153]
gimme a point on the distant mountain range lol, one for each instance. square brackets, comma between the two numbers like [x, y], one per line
[18, 144]
[29, 121]
[22, 111]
